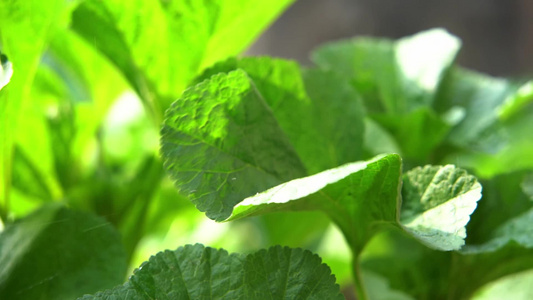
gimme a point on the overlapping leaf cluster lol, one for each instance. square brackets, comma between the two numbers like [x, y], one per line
[63, 66]
[258, 135]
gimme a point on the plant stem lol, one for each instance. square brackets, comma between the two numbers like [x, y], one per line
[360, 290]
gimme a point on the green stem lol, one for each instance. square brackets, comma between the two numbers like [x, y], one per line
[360, 290]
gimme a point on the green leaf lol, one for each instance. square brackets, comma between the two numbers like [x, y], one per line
[516, 286]
[303, 102]
[161, 46]
[347, 193]
[517, 230]
[377, 140]
[56, 253]
[479, 97]
[379, 288]
[393, 77]
[213, 142]
[398, 81]
[503, 200]
[454, 275]
[27, 178]
[418, 132]
[516, 102]
[19, 24]
[198, 272]
[492, 134]
[527, 185]
[508, 252]
[407, 264]
[91, 84]
[339, 138]
[437, 204]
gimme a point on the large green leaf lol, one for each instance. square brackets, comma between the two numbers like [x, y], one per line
[56, 253]
[198, 272]
[478, 97]
[398, 81]
[492, 133]
[21, 22]
[394, 77]
[161, 45]
[213, 143]
[358, 196]
[303, 102]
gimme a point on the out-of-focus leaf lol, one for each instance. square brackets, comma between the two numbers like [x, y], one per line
[198, 272]
[307, 228]
[407, 264]
[527, 185]
[508, 252]
[503, 200]
[517, 230]
[516, 286]
[418, 132]
[393, 77]
[377, 140]
[91, 85]
[303, 102]
[479, 96]
[18, 25]
[56, 253]
[517, 101]
[72, 91]
[378, 288]
[161, 45]
[27, 178]
[456, 274]
[398, 82]
[493, 134]
[37, 147]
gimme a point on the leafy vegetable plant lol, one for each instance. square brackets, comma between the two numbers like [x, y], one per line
[422, 166]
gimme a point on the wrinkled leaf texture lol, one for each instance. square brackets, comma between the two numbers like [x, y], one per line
[198, 272]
